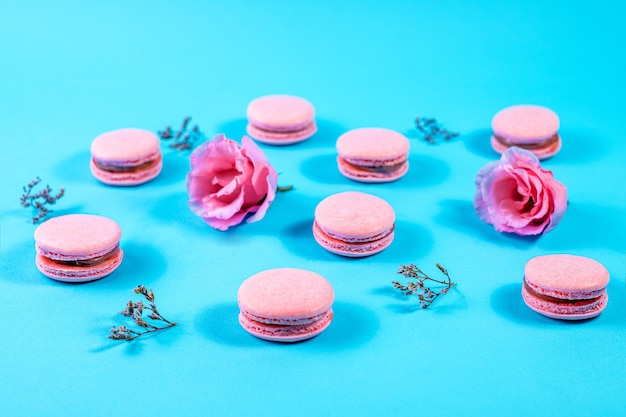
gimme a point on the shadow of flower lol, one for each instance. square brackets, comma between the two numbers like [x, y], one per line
[479, 143]
[460, 215]
[507, 302]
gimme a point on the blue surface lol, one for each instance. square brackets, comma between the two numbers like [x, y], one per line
[71, 71]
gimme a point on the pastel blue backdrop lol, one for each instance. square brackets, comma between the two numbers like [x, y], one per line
[72, 70]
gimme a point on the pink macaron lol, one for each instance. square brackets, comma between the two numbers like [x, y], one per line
[354, 224]
[281, 119]
[531, 127]
[285, 304]
[567, 287]
[78, 247]
[373, 154]
[126, 157]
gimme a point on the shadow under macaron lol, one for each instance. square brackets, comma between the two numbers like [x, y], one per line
[410, 241]
[352, 326]
[479, 143]
[583, 220]
[424, 171]
[175, 168]
[322, 168]
[142, 264]
[292, 215]
[74, 168]
[508, 303]
[18, 264]
[219, 323]
[579, 146]
[326, 135]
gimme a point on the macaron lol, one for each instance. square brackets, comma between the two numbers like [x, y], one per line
[78, 247]
[372, 154]
[281, 119]
[567, 287]
[126, 157]
[285, 304]
[526, 126]
[354, 224]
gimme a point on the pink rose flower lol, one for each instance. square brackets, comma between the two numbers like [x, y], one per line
[517, 195]
[229, 183]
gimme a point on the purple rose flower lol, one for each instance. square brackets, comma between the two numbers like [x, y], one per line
[517, 195]
[229, 183]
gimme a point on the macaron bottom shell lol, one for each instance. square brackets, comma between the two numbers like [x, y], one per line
[565, 309]
[285, 332]
[363, 174]
[351, 249]
[78, 273]
[277, 137]
[542, 152]
[129, 177]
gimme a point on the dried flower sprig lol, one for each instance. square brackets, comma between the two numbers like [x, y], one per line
[183, 139]
[135, 311]
[40, 199]
[425, 294]
[432, 131]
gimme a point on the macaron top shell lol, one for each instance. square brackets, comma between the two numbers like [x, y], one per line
[353, 215]
[372, 144]
[280, 112]
[76, 236]
[566, 276]
[525, 123]
[285, 294]
[128, 146]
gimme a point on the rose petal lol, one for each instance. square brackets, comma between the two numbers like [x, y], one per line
[558, 193]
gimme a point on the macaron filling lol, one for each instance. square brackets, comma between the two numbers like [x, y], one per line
[125, 167]
[286, 332]
[284, 321]
[282, 136]
[373, 166]
[581, 301]
[561, 295]
[528, 145]
[564, 309]
[356, 240]
[94, 261]
[282, 129]
[352, 247]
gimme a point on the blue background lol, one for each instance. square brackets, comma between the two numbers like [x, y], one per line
[70, 71]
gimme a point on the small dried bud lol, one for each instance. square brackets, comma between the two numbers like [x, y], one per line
[431, 130]
[183, 139]
[39, 199]
[134, 310]
[426, 295]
